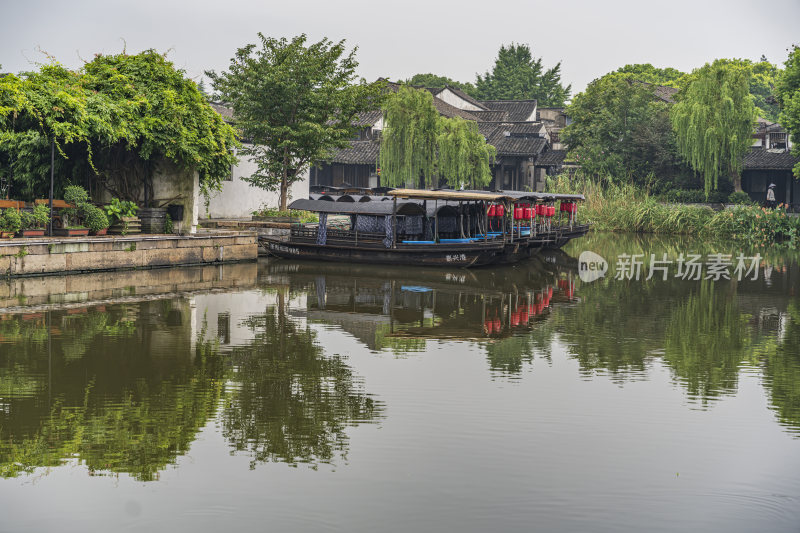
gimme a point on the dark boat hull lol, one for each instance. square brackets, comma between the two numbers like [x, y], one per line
[568, 234]
[446, 256]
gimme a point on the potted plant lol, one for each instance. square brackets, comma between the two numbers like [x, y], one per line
[123, 215]
[34, 222]
[77, 198]
[96, 219]
[10, 223]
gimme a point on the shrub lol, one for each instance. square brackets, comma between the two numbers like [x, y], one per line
[740, 197]
[693, 196]
[118, 209]
[11, 220]
[75, 195]
[36, 219]
[96, 219]
[41, 216]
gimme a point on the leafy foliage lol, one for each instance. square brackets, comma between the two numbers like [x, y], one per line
[37, 218]
[409, 139]
[112, 121]
[631, 209]
[295, 102]
[788, 91]
[714, 119]
[647, 73]
[118, 209]
[10, 220]
[436, 81]
[463, 154]
[622, 131]
[96, 219]
[419, 147]
[516, 75]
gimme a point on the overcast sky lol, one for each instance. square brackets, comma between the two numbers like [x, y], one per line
[399, 39]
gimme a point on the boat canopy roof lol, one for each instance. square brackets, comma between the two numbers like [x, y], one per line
[375, 208]
[466, 196]
[534, 196]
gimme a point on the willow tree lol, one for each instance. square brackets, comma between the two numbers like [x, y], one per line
[420, 147]
[409, 139]
[713, 121]
[463, 154]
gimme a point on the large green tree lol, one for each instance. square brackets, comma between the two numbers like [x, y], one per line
[647, 73]
[112, 121]
[788, 91]
[295, 102]
[435, 81]
[620, 130]
[714, 120]
[516, 75]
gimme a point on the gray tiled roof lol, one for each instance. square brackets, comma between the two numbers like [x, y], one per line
[451, 111]
[552, 158]
[368, 118]
[517, 146]
[761, 159]
[224, 110]
[491, 116]
[518, 110]
[358, 153]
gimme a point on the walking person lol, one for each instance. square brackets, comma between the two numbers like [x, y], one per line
[771, 196]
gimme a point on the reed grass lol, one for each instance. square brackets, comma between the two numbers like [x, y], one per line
[626, 208]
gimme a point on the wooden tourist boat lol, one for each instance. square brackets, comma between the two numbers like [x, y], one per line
[424, 228]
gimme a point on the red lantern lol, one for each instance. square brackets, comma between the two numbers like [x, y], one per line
[527, 213]
[517, 213]
[562, 207]
[492, 211]
[500, 211]
[552, 211]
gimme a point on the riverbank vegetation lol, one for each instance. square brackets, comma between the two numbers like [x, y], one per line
[625, 207]
[665, 129]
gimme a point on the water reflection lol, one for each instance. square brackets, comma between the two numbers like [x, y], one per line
[117, 388]
[290, 402]
[125, 388]
[122, 382]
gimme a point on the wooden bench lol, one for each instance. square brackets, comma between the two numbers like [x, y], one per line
[57, 204]
[18, 204]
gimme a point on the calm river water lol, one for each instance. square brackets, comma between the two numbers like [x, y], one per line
[284, 396]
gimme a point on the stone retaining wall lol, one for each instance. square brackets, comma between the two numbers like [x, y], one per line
[32, 257]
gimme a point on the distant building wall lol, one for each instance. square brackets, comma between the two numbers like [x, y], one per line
[456, 101]
[238, 199]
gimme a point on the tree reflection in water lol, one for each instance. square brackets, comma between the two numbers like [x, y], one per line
[291, 402]
[126, 389]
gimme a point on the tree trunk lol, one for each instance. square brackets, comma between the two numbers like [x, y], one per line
[284, 190]
[736, 178]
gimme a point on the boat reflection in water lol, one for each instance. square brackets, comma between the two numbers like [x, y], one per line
[394, 308]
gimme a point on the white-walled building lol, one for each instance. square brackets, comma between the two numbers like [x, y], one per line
[238, 199]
